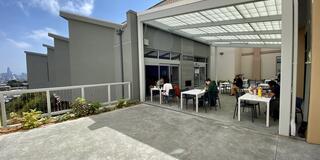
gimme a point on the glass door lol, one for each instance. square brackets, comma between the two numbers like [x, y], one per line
[200, 73]
[174, 74]
[152, 76]
[164, 73]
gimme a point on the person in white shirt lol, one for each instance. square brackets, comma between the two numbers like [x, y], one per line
[166, 88]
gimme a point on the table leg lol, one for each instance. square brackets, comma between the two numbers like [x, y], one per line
[197, 102]
[151, 95]
[268, 114]
[181, 101]
[239, 105]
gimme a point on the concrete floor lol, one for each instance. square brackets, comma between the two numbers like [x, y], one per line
[225, 114]
[148, 132]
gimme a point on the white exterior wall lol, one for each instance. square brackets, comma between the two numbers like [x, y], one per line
[226, 63]
[246, 66]
[268, 65]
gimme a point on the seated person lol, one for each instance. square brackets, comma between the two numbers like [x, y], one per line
[212, 91]
[275, 97]
[237, 84]
[166, 88]
[160, 82]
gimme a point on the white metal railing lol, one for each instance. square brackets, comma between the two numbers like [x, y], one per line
[48, 96]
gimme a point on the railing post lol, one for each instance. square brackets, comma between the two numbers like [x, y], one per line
[129, 90]
[48, 102]
[82, 93]
[109, 94]
[3, 111]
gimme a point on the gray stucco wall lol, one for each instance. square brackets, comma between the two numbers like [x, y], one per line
[130, 54]
[162, 40]
[92, 57]
[37, 69]
[51, 66]
[62, 62]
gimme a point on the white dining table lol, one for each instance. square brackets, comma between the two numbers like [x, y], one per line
[255, 98]
[195, 92]
[156, 89]
[264, 85]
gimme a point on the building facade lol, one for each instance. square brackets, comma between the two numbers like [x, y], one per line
[187, 41]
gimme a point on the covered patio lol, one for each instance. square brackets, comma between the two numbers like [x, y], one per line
[233, 24]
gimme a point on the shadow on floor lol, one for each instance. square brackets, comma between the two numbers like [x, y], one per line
[187, 136]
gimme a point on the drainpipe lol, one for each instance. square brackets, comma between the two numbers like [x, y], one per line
[120, 33]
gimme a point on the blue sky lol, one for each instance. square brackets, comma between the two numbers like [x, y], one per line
[25, 24]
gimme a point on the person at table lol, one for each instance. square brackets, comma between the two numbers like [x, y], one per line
[166, 88]
[160, 82]
[237, 85]
[274, 90]
[275, 99]
[212, 91]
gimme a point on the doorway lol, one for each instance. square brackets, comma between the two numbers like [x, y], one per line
[199, 73]
[169, 72]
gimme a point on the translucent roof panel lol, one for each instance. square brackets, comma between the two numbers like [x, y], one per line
[193, 31]
[238, 27]
[248, 36]
[260, 9]
[266, 26]
[221, 43]
[270, 36]
[213, 29]
[255, 42]
[222, 14]
[192, 18]
[210, 38]
[227, 37]
[272, 42]
[170, 21]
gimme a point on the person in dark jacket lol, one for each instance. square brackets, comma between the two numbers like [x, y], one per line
[275, 99]
[237, 84]
[212, 91]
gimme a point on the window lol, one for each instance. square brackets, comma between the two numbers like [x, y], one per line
[164, 55]
[150, 53]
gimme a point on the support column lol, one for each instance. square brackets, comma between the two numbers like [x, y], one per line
[286, 67]
[313, 133]
[213, 63]
[141, 62]
[256, 69]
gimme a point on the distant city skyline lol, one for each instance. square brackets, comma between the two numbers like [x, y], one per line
[26, 23]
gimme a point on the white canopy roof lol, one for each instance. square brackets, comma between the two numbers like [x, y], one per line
[253, 24]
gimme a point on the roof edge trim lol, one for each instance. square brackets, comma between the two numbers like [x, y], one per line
[71, 16]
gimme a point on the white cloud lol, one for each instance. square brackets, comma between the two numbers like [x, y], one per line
[19, 44]
[41, 34]
[84, 7]
[23, 9]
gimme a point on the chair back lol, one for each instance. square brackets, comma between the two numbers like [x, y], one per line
[177, 90]
[172, 93]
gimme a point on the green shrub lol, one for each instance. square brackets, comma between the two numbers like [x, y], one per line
[26, 102]
[82, 108]
[14, 118]
[32, 119]
[121, 103]
[65, 117]
[126, 103]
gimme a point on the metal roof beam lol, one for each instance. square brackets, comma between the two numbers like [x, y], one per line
[236, 21]
[247, 40]
[248, 45]
[238, 33]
